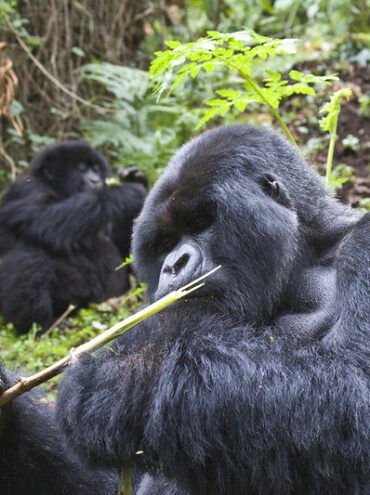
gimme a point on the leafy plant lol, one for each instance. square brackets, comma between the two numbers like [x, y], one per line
[365, 203]
[341, 174]
[330, 124]
[240, 51]
[350, 141]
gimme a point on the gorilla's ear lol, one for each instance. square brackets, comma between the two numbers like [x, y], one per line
[42, 167]
[47, 172]
[276, 189]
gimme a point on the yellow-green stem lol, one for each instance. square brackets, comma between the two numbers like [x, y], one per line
[273, 110]
[127, 482]
[120, 481]
[329, 160]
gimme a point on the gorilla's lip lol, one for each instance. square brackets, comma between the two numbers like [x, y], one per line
[198, 295]
[204, 292]
[201, 295]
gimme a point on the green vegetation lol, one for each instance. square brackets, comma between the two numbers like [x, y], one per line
[330, 124]
[242, 52]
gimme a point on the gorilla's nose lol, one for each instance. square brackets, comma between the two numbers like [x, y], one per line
[179, 267]
[184, 259]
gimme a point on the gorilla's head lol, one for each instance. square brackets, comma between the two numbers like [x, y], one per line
[71, 167]
[238, 197]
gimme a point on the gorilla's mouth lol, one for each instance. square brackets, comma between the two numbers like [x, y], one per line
[91, 186]
[208, 291]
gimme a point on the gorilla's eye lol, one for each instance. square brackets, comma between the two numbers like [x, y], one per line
[164, 243]
[82, 167]
[198, 218]
[202, 221]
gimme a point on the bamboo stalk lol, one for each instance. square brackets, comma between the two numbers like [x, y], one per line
[24, 384]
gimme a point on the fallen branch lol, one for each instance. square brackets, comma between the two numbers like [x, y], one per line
[24, 384]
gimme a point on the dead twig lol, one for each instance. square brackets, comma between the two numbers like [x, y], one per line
[58, 321]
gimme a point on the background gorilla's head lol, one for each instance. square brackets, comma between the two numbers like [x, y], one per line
[235, 196]
[71, 167]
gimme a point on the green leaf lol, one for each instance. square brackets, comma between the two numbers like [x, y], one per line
[295, 75]
[267, 6]
[224, 109]
[214, 34]
[194, 71]
[215, 103]
[275, 76]
[173, 44]
[77, 51]
[332, 108]
[212, 112]
[228, 93]
[209, 66]
[178, 80]
[240, 105]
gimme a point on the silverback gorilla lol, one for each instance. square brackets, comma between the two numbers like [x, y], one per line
[58, 230]
[259, 382]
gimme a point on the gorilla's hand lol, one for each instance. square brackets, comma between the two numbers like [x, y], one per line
[133, 174]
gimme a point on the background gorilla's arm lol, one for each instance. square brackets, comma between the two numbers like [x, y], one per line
[123, 217]
[37, 214]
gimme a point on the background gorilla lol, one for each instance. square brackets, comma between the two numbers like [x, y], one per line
[259, 382]
[33, 457]
[53, 235]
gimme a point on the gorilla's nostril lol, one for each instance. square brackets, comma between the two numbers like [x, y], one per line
[180, 263]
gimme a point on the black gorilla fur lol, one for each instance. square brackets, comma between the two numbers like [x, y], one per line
[259, 383]
[54, 227]
[34, 459]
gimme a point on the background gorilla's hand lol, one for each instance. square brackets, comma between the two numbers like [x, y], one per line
[132, 174]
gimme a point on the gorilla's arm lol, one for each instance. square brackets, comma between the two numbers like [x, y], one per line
[33, 456]
[103, 402]
[351, 327]
[41, 217]
[310, 306]
[121, 225]
[220, 401]
[158, 484]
